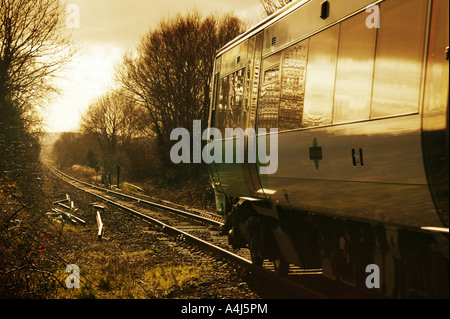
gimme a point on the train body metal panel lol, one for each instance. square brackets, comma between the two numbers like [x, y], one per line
[435, 123]
[231, 174]
[387, 184]
[304, 21]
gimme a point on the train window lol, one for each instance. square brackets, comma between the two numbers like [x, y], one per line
[272, 74]
[248, 80]
[293, 76]
[269, 99]
[216, 84]
[215, 95]
[230, 111]
[256, 76]
[354, 72]
[271, 67]
[398, 62]
[320, 78]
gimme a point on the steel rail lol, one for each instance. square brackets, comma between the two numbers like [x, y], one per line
[144, 201]
[200, 242]
[165, 227]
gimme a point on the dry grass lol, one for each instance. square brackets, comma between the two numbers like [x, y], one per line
[84, 173]
[132, 276]
[166, 278]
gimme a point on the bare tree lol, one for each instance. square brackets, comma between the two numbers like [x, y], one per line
[33, 47]
[270, 6]
[169, 76]
[113, 121]
[74, 148]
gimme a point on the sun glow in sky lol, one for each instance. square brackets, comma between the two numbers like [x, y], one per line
[107, 30]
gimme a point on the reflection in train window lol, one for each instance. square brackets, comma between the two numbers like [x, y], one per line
[320, 78]
[354, 70]
[272, 73]
[371, 73]
[398, 64]
[256, 77]
[269, 100]
[293, 86]
[230, 111]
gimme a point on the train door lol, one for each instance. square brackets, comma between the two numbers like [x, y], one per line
[217, 186]
[250, 169]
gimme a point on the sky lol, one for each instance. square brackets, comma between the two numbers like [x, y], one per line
[104, 31]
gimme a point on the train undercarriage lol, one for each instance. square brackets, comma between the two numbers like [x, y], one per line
[387, 260]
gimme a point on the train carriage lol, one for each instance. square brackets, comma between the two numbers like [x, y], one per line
[357, 91]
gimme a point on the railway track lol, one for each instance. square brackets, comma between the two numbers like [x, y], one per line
[203, 229]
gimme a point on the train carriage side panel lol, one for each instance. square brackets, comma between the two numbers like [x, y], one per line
[435, 111]
[365, 119]
[360, 106]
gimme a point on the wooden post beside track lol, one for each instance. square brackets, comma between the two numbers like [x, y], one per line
[100, 225]
[99, 208]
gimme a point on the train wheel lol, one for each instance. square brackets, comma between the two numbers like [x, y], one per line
[254, 247]
[281, 267]
[256, 260]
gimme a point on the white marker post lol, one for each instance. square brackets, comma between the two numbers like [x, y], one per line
[100, 225]
[99, 208]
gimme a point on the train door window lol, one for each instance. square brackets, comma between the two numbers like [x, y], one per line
[221, 108]
[320, 78]
[399, 55]
[255, 79]
[215, 99]
[248, 79]
[269, 99]
[230, 112]
[354, 72]
[293, 76]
